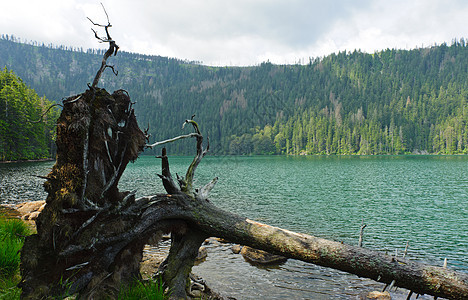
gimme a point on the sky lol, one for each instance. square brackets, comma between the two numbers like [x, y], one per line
[240, 32]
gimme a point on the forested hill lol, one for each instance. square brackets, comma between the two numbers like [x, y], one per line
[390, 102]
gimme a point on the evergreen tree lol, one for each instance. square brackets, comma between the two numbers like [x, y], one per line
[26, 131]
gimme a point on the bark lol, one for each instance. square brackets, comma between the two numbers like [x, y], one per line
[91, 236]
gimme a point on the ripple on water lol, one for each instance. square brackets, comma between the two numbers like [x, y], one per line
[423, 200]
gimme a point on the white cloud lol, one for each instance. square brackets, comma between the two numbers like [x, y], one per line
[241, 32]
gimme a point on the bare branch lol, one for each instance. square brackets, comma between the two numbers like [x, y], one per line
[194, 124]
[172, 140]
[44, 113]
[108, 22]
[205, 191]
[113, 70]
[113, 48]
[187, 188]
[69, 100]
[168, 181]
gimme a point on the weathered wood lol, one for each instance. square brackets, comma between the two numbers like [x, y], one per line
[412, 275]
[97, 135]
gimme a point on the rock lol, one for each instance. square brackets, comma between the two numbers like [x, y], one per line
[236, 249]
[30, 210]
[32, 216]
[261, 257]
[211, 241]
[202, 254]
[151, 260]
[196, 293]
[9, 211]
[375, 295]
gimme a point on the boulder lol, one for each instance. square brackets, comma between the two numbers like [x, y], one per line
[30, 210]
[256, 256]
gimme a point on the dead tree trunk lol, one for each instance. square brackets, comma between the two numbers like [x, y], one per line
[91, 236]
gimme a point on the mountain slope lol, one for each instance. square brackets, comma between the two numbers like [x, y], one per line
[394, 101]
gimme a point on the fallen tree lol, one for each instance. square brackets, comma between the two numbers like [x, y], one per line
[90, 236]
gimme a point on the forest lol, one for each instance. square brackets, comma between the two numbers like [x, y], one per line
[388, 102]
[27, 125]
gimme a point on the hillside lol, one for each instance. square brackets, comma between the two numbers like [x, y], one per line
[390, 102]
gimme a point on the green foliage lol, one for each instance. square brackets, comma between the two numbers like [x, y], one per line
[12, 234]
[8, 288]
[21, 136]
[389, 102]
[9, 257]
[13, 229]
[149, 290]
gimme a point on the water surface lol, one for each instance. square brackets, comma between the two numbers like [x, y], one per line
[422, 200]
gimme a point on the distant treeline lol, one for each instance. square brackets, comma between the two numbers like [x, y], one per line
[389, 102]
[27, 129]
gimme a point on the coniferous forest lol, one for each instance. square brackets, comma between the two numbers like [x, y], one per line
[389, 102]
[27, 125]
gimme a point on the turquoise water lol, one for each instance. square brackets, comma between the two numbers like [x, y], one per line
[422, 200]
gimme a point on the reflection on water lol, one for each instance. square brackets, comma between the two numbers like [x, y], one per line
[422, 200]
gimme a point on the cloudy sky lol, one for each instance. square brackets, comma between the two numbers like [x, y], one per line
[240, 32]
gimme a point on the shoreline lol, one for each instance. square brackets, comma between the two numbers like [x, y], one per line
[26, 160]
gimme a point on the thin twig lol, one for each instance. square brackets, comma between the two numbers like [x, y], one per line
[406, 249]
[78, 266]
[361, 232]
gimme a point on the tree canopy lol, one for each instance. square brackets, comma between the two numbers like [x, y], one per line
[27, 127]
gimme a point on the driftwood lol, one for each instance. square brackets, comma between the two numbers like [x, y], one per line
[90, 236]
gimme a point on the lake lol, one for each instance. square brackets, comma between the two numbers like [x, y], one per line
[422, 200]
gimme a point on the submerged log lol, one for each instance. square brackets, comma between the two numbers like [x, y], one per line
[260, 257]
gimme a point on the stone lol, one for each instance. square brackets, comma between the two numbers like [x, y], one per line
[375, 295]
[256, 256]
[236, 249]
[32, 216]
[202, 254]
[30, 210]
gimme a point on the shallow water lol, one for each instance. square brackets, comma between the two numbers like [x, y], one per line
[422, 200]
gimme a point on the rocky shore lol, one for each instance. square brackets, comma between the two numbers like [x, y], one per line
[25, 160]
